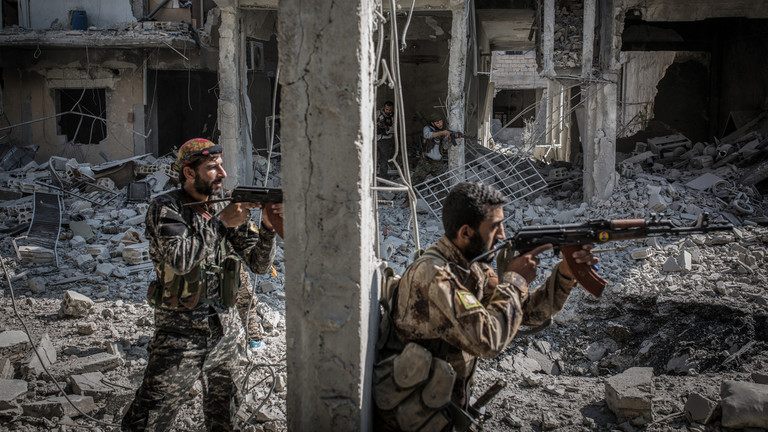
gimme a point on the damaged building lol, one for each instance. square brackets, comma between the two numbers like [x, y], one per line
[575, 109]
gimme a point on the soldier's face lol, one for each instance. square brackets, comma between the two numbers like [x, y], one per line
[209, 176]
[387, 110]
[487, 234]
[438, 124]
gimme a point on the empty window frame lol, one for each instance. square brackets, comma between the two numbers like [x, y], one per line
[86, 111]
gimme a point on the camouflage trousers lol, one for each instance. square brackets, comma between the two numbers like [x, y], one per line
[175, 362]
[428, 168]
[246, 307]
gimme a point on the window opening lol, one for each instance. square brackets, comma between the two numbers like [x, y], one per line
[86, 111]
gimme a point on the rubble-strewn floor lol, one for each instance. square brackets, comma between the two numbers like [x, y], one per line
[695, 310]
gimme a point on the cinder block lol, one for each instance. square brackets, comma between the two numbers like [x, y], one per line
[629, 395]
[642, 253]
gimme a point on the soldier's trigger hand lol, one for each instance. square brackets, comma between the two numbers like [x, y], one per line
[235, 214]
[526, 263]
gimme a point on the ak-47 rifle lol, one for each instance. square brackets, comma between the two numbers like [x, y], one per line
[252, 194]
[456, 134]
[570, 237]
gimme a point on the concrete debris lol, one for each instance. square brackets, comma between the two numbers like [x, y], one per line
[629, 395]
[91, 384]
[75, 304]
[745, 405]
[71, 406]
[35, 364]
[14, 345]
[699, 409]
[10, 391]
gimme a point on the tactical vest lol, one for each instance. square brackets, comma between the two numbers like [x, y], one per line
[185, 292]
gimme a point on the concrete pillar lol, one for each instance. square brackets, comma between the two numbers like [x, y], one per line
[548, 39]
[599, 141]
[588, 41]
[457, 71]
[326, 73]
[233, 106]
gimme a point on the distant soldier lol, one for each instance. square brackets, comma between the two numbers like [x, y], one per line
[434, 140]
[385, 147]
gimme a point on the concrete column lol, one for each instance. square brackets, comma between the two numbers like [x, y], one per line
[600, 142]
[457, 68]
[233, 107]
[588, 41]
[326, 73]
[548, 39]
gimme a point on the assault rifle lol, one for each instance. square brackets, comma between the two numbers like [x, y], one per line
[251, 194]
[456, 134]
[570, 237]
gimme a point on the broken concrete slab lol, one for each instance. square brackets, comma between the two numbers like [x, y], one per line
[10, 391]
[14, 345]
[35, 364]
[547, 365]
[100, 362]
[91, 384]
[699, 409]
[60, 406]
[671, 265]
[630, 395]
[760, 378]
[80, 227]
[6, 368]
[745, 405]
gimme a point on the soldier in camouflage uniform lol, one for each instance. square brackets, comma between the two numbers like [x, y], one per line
[459, 315]
[196, 325]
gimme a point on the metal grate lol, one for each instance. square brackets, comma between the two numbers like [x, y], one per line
[515, 177]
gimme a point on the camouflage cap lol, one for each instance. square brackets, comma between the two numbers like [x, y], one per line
[193, 149]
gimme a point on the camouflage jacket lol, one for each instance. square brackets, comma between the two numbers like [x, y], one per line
[459, 323]
[182, 238]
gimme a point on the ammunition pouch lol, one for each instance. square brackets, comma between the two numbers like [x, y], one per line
[416, 387]
[229, 280]
[179, 292]
[185, 292]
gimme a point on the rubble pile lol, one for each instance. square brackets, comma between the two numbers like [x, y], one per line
[569, 19]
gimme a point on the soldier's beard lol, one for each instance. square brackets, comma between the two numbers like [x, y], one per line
[477, 247]
[206, 189]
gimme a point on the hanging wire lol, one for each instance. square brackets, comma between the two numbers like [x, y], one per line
[399, 134]
[254, 366]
